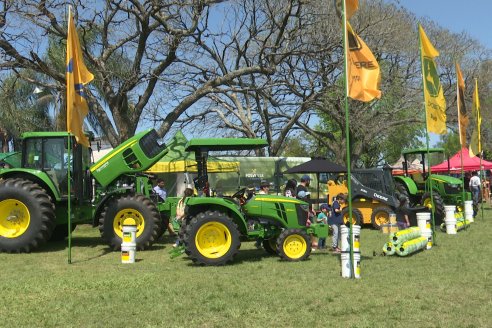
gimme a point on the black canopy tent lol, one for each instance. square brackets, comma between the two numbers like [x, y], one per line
[317, 166]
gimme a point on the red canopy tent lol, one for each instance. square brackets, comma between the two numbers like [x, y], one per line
[469, 164]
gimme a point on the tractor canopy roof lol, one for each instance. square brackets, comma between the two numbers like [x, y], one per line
[422, 151]
[223, 144]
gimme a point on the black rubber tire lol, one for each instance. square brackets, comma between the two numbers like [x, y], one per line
[297, 233]
[61, 232]
[270, 246]
[356, 216]
[211, 218]
[439, 212]
[379, 211]
[41, 211]
[402, 191]
[139, 203]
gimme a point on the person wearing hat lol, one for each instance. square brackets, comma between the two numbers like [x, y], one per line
[302, 189]
[264, 187]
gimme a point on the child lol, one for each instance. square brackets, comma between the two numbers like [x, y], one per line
[180, 211]
[323, 218]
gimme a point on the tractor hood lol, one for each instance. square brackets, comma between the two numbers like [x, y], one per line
[446, 179]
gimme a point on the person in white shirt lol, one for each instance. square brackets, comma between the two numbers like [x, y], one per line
[475, 190]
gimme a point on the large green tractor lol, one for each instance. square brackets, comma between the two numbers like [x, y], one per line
[214, 227]
[416, 184]
[34, 194]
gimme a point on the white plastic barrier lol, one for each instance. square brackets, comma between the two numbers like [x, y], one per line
[345, 259]
[423, 220]
[450, 219]
[469, 210]
[427, 233]
[129, 245]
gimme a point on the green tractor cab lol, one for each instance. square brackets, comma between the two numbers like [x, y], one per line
[415, 185]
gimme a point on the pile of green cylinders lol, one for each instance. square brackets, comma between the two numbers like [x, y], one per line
[461, 224]
[405, 242]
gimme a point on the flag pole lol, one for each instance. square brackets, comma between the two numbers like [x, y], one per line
[427, 144]
[69, 187]
[347, 136]
[458, 106]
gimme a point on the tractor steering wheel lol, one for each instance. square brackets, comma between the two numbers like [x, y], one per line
[240, 196]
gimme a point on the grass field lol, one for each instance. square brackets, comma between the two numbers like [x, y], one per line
[447, 286]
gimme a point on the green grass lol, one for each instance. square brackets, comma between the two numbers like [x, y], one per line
[447, 286]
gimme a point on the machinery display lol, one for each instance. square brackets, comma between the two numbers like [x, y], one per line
[373, 195]
[116, 190]
[416, 185]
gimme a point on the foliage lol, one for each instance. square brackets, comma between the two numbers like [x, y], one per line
[96, 290]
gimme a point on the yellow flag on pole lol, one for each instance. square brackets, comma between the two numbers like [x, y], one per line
[435, 104]
[475, 144]
[462, 113]
[363, 74]
[77, 76]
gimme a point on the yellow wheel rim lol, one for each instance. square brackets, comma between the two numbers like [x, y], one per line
[128, 216]
[346, 218]
[428, 203]
[14, 218]
[213, 240]
[295, 246]
[381, 218]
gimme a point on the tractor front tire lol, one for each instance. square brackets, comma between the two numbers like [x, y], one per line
[27, 216]
[439, 212]
[380, 215]
[211, 238]
[134, 209]
[356, 216]
[294, 245]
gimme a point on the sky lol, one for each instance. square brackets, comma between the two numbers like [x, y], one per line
[471, 16]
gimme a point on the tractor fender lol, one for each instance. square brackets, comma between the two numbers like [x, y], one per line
[37, 176]
[195, 205]
[408, 183]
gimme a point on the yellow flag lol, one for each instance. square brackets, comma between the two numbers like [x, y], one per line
[350, 5]
[435, 104]
[462, 113]
[363, 74]
[475, 144]
[77, 76]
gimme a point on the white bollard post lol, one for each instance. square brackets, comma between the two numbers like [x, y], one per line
[450, 219]
[129, 245]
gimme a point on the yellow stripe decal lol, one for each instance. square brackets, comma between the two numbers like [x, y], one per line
[98, 165]
[274, 200]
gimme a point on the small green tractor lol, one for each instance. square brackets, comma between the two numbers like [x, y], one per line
[415, 185]
[215, 226]
[116, 190]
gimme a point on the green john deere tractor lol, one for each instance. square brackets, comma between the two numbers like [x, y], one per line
[214, 227]
[34, 194]
[415, 185]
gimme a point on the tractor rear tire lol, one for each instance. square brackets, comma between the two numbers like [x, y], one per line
[27, 216]
[439, 212]
[270, 246]
[380, 215]
[211, 238]
[356, 216]
[402, 191]
[137, 208]
[294, 245]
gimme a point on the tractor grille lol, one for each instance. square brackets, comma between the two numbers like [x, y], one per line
[452, 189]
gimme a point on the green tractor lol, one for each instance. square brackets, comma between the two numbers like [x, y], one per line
[34, 194]
[415, 185]
[215, 226]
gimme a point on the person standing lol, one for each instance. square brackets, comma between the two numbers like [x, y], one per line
[475, 190]
[402, 214]
[336, 220]
[323, 219]
[180, 211]
[303, 194]
[160, 190]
